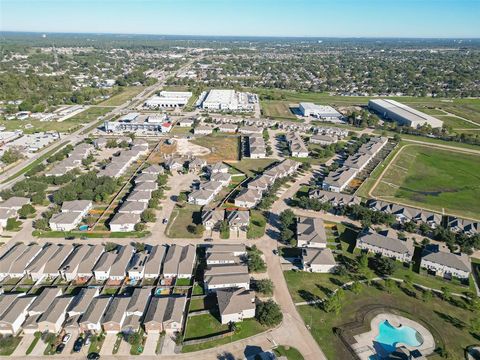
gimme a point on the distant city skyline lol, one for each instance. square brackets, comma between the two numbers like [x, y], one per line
[289, 18]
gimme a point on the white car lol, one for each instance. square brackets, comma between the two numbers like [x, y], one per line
[66, 337]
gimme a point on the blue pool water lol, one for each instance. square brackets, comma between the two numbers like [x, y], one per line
[389, 336]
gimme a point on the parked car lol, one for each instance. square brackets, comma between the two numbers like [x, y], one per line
[165, 221]
[93, 356]
[66, 337]
[88, 339]
[208, 239]
[275, 252]
[77, 346]
[60, 348]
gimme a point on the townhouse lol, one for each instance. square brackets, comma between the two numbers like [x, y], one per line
[136, 308]
[227, 281]
[318, 260]
[17, 268]
[248, 198]
[235, 305]
[333, 198]
[256, 147]
[179, 261]
[196, 165]
[212, 219]
[296, 145]
[233, 249]
[124, 222]
[92, 318]
[9, 258]
[101, 271]
[118, 270]
[115, 315]
[44, 300]
[36, 269]
[238, 220]
[153, 265]
[154, 170]
[132, 207]
[446, 264]
[385, 244]
[311, 232]
[468, 227]
[174, 164]
[144, 177]
[227, 128]
[12, 318]
[55, 315]
[165, 314]
[202, 130]
[405, 214]
[86, 266]
[53, 266]
[136, 271]
[69, 269]
[218, 167]
[323, 140]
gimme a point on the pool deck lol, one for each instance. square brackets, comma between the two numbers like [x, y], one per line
[364, 345]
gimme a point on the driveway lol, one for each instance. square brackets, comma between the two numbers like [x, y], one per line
[108, 344]
[24, 344]
[151, 344]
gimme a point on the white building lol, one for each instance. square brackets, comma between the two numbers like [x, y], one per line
[229, 100]
[235, 305]
[403, 114]
[446, 264]
[323, 112]
[168, 99]
[318, 260]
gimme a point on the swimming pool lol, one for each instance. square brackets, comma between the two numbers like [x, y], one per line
[389, 336]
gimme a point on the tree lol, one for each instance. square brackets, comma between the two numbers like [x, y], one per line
[110, 246]
[12, 224]
[199, 229]
[332, 304]
[140, 226]
[140, 247]
[427, 296]
[10, 156]
[26, 210]
[385, 266]
[286, 235]
[397, 138]
[268, 313]
[134, 338]
[363, 261]
[390, 285]
[41, 224]
[287, 218]
[148, 216]
[182, 197]
[265, 286]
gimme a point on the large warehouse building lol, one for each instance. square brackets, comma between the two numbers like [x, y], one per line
[402, 114]
[228, 100]
[168, 99]
[319, 111]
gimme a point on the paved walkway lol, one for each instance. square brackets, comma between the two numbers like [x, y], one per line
[150, 344]
[21, 349]
[108, 344]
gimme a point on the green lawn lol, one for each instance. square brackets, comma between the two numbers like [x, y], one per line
[290, 352]
[38, 335]
[8, 344]
[457, 123]
[208, 302]
[433, 178]
[252, 166]
[246, 328]
[257, 225]
[125, 94]
[448, 323]
[179, 221]
[277, 110]
[203, 325]
[183, 282]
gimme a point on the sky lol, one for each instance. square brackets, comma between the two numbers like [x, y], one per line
[296, 18]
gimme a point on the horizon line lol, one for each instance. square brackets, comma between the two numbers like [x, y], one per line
[247, 36]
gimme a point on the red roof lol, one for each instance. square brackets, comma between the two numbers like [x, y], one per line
[166, 124]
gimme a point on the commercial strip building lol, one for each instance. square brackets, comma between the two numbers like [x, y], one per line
[402, 114]
[135, 122]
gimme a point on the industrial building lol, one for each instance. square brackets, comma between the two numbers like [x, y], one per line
[139, 123]
[402, 114]
[228, 100]
[168, 99]
[322, 112]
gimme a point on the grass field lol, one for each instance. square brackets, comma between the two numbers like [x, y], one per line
[204, 325]
[223, 148]
[120, 98]
[289, 352]
[278, 110]
[435, 179]
[251, 166]
[457, 123]
[448, 323]
[180, 219]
